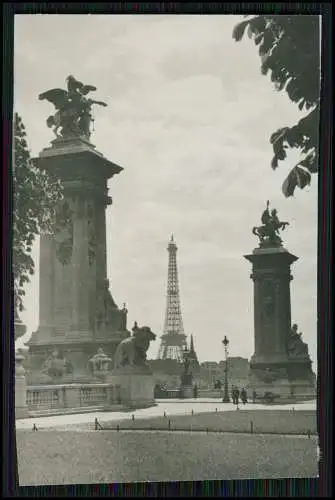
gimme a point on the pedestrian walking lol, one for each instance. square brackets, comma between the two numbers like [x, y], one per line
[237, 396]
[233, 394]
[244, 396]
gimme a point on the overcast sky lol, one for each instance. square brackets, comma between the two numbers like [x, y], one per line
[189, 118]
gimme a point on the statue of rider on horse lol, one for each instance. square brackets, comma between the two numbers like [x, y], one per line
[268, 233]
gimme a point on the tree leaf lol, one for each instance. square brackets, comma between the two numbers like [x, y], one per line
[298, 177]
[35, 195]
[289, 49]
[239, 30]
[278, 135]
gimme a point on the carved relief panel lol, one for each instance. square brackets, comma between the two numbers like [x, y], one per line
[268, 301]
[64, 232]
[267, 306]
[91, 232]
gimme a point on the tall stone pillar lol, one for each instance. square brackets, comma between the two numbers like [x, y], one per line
[100, 236]
[77, 312]
[272, 307]
[80, 288]
[280, 360]
[73, 272]
[46, 284]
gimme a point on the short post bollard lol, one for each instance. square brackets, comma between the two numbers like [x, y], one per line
[251, 427]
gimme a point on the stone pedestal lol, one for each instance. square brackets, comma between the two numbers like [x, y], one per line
[272, 368]
[186, 386]
[134, 389]
[21, 408]
[77, 311]
[186, 392]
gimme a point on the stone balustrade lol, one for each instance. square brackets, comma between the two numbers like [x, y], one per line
[210, 393]
[202, 393]
[72, 397]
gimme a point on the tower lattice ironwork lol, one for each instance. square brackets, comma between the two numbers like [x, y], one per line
[173, 340]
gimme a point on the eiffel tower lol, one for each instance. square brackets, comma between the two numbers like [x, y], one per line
[173, 340]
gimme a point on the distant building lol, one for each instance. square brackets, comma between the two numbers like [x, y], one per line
[165, 366]
[238, 371]
[209, 365]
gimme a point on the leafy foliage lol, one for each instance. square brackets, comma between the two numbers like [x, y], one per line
[289, 47]
[35, 198]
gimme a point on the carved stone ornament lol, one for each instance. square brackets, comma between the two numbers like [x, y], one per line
[268, 300]
[91, 234]
[100, 363]
[57, 365]
[64, 233]
[296, 346]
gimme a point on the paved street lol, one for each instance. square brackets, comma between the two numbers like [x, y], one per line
[67, 450]
[170, 407]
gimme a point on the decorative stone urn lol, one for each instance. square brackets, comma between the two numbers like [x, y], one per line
[100, 365]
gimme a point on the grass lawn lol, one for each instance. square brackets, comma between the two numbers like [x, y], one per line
[65, 457]
[276, 422]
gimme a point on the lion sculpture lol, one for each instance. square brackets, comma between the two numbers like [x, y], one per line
[131, 352]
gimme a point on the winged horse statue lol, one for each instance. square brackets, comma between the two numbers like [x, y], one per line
[73, 115]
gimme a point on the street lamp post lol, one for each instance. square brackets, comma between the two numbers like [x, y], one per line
[225, 343]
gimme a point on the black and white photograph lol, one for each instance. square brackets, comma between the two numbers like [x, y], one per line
[165, 228]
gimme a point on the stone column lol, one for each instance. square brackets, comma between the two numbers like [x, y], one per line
[278, 307]
[257, 315]
[272, 305]
[84, 173]
[80, 314]
[283, 311]
[46, 282]
[101, 243]
[101, 266]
